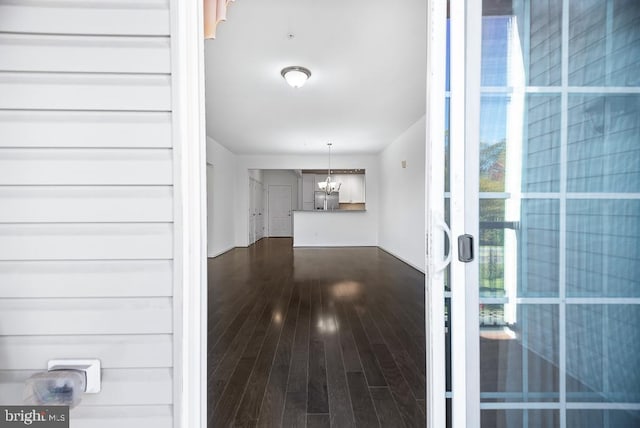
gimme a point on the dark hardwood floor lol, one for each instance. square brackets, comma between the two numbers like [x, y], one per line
[315, 338]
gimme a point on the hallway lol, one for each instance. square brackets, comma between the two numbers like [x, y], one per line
[315, 337]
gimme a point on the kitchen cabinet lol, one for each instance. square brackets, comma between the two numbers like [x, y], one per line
[309, 187]
[308, 183]
[345, 192]
[357, 189]
[352, 190]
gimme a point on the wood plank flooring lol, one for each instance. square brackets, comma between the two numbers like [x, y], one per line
[322, 337]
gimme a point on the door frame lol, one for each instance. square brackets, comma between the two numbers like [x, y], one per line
[464, 80]
[190, 274]
[465, 57]
[190, 215]
[434, 215]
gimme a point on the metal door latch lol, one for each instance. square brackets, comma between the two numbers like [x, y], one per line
[465, 248]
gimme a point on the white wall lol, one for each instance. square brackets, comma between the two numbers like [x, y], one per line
[394, 219]
[402, 190]
[221, 176]
[369, 223]
[87, 238]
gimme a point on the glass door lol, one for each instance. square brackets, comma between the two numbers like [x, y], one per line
[544, 154]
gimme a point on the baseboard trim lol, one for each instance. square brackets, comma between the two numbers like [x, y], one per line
[391, 253]
[403, 260]
[335, 246]
[219, 253]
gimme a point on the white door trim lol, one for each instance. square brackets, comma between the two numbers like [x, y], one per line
[190, 406]
[465, 46]
[252, 209]
[190, 219]
[434, 188]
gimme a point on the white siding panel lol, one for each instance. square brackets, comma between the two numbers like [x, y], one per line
[118, 17]
[86, 201]
[115, 351]
[121, 417]
[119, 387]
[103, 278]
[84, 129]
[44, 204]
[20, 52]
[40, 317]
[99, 241]
[134, 386]
[85, 166]
[71, 91]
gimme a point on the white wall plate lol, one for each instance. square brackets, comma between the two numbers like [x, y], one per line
[91, 368]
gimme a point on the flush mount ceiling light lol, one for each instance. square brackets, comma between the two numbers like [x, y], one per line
[295, 76]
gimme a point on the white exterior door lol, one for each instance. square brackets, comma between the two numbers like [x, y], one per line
[280, 211]
[544, 115]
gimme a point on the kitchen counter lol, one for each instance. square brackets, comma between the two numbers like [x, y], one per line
[330, 211]
[336, 228]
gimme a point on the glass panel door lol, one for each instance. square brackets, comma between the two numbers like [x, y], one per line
[558, 215]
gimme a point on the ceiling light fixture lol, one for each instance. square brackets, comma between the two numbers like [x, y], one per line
[328, 186]
[295, 76]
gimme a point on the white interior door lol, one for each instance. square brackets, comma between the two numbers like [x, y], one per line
[260, 211]
[252, 211]
[280, 219]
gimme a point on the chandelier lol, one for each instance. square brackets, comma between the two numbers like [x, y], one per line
[329, 186]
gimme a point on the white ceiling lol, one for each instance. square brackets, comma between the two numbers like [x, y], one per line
[368, 65]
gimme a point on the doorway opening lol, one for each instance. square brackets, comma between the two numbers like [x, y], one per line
[554, 104]
[316, 301]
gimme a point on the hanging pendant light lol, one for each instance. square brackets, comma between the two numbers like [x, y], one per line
[329, 186]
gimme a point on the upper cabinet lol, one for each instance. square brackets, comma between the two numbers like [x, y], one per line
[345, 188]
[319, 178]
[352, 189]
[308, 187]
[358, 189]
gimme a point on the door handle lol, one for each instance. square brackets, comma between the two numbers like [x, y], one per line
[440, 223]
